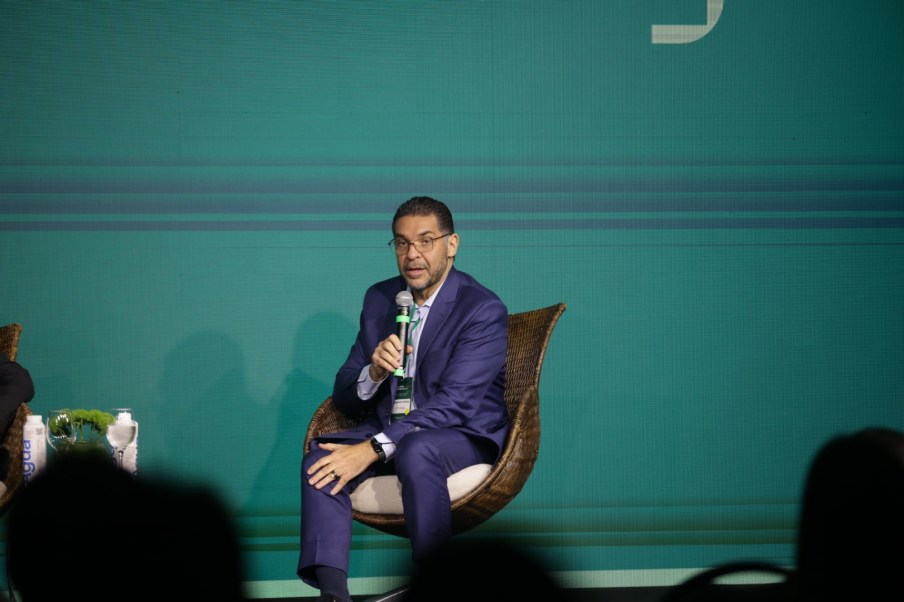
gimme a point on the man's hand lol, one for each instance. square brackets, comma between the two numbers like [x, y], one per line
[342, 465]
[386, 357]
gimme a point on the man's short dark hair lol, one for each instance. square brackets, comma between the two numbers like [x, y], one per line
[425, 205]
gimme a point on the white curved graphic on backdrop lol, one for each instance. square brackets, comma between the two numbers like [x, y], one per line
[683, 34]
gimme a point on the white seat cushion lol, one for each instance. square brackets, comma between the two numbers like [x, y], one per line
[383, 495]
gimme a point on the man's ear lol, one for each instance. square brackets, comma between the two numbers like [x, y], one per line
[453, 245]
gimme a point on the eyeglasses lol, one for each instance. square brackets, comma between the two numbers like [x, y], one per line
[425, 244]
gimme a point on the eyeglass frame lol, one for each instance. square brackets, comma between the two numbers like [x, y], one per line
[408, 243]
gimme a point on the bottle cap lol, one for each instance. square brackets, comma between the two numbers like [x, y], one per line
[34, 418]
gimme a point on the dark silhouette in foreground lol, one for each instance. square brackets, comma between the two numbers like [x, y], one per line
[849, 533]
[84, 525]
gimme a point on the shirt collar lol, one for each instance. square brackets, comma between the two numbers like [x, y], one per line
[430, 299]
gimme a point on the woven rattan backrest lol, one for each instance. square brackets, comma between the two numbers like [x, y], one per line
[9, 340]
[529, 334]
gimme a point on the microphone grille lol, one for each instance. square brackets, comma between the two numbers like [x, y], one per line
[404, 299]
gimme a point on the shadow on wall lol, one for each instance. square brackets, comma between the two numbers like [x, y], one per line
[203, 425]
[210, 429]
[277, 486]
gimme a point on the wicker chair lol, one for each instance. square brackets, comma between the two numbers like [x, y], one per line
[9, 345]
[497, 485]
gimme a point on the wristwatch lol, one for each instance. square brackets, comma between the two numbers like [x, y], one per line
[378, 447]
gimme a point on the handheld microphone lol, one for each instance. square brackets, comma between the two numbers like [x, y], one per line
[404, 301]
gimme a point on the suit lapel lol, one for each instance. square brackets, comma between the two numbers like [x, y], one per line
[439, 312]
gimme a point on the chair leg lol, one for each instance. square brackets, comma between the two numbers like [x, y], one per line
[394, 595]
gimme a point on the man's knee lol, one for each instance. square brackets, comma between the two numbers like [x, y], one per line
[309, 459]
[418, 444]
[417, 452]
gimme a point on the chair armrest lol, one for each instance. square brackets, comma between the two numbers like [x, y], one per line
[326, 419]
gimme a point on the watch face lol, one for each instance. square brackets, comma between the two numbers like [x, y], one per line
[378, 448]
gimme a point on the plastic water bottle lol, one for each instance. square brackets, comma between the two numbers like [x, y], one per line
[123, 438]
[34, 446]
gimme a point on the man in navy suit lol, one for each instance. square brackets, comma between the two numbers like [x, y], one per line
[442, 412]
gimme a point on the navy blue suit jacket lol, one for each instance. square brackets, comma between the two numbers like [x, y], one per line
[459, 381]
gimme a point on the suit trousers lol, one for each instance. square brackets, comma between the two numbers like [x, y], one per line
[423, 460]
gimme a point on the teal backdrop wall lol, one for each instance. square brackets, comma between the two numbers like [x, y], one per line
[194, 195]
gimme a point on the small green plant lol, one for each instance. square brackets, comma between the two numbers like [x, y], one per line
[71, 427]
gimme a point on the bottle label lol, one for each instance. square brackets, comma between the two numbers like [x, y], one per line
[130, 459]
[34, 450]
[130, 455]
